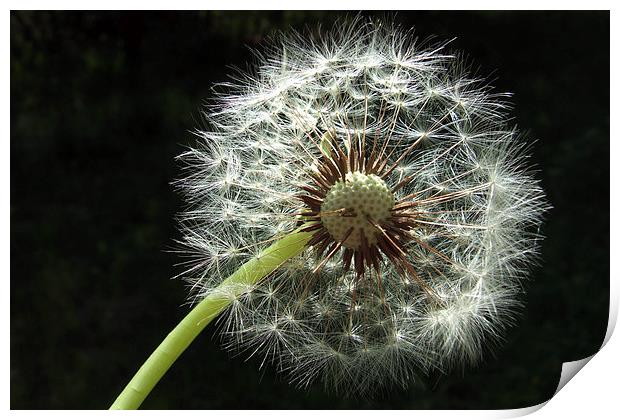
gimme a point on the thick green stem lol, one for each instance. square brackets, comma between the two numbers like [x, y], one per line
[179, 339]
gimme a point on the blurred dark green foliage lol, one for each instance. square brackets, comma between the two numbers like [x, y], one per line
[102, 102]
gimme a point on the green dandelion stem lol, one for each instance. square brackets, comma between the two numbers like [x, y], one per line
[202, 314]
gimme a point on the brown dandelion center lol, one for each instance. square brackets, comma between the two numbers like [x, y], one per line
[350, 207]
[363, 198]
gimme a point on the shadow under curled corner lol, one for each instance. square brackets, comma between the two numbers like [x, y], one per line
[570, 369]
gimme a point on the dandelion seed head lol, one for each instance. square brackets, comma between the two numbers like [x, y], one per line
[423, 211]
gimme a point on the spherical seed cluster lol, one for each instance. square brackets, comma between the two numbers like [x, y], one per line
[441, 280]
[361, 197]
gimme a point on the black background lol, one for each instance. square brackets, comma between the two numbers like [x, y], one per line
[102, 102]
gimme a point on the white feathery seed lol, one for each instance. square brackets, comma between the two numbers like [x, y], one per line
[434, 281]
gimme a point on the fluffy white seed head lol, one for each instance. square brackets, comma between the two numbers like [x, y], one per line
[425, 216]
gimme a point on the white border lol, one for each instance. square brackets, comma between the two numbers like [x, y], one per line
[593, 394]
[313, 5]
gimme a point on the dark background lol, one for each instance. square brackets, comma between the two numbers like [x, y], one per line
[101, 103]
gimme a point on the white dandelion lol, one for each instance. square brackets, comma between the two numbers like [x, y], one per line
[423, 213]
[410, 194]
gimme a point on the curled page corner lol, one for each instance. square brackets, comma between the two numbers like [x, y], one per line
[570, 369]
